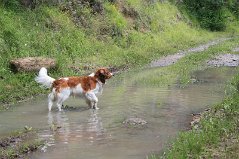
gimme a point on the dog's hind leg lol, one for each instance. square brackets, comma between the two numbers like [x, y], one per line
[51, 98]
[61, 97]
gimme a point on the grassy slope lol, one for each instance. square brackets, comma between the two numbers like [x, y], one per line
[158, 29]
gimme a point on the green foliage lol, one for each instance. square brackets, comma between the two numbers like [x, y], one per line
[115, 16]
[233, 6]
[11, 4]
[212, 14]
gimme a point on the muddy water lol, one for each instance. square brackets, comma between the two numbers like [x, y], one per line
[85, 134]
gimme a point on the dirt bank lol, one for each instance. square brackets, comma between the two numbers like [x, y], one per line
[18, 144]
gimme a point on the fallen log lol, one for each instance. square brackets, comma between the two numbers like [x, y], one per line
[29, 64]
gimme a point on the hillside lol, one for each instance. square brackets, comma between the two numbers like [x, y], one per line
[88, 34]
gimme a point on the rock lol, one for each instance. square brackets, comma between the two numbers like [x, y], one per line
[195, 120]
[193, 80]
[134, 122]
[28, 64]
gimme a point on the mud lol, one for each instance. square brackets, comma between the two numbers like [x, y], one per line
[171, 59]
[18, 144]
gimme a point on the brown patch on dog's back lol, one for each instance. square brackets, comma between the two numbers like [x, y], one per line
[59, 84]
[88, 83]
[73, 81]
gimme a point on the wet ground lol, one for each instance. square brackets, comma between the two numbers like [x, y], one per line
[85, 133]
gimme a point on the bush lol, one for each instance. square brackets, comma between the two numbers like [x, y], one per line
[209, 13]
[11, 4]
[233, 6]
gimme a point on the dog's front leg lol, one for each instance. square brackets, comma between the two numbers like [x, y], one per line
[95, 106]
[93, 99]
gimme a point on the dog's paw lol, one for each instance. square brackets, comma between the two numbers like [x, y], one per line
[96, 108]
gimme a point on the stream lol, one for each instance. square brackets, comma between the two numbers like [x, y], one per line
[83, 133]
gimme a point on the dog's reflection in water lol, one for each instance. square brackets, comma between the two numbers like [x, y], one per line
[66, 131]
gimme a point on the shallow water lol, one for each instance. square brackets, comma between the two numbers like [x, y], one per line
[87, 134]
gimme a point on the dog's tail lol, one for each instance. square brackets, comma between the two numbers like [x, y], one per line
[44, 79]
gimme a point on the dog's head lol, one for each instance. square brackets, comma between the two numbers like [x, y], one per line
[102, 74]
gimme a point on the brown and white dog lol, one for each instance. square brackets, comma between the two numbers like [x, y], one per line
[81, 86]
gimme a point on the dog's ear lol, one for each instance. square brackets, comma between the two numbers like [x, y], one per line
[102, 79]
[99, 72]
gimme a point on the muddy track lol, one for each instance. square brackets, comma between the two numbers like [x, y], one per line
[172, 59]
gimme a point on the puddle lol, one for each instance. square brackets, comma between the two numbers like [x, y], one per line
[84, 133]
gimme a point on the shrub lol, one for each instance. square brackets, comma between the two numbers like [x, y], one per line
[209, 13]
[11, 4]
[233, 6]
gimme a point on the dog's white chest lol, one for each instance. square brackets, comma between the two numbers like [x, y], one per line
[98, 88]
